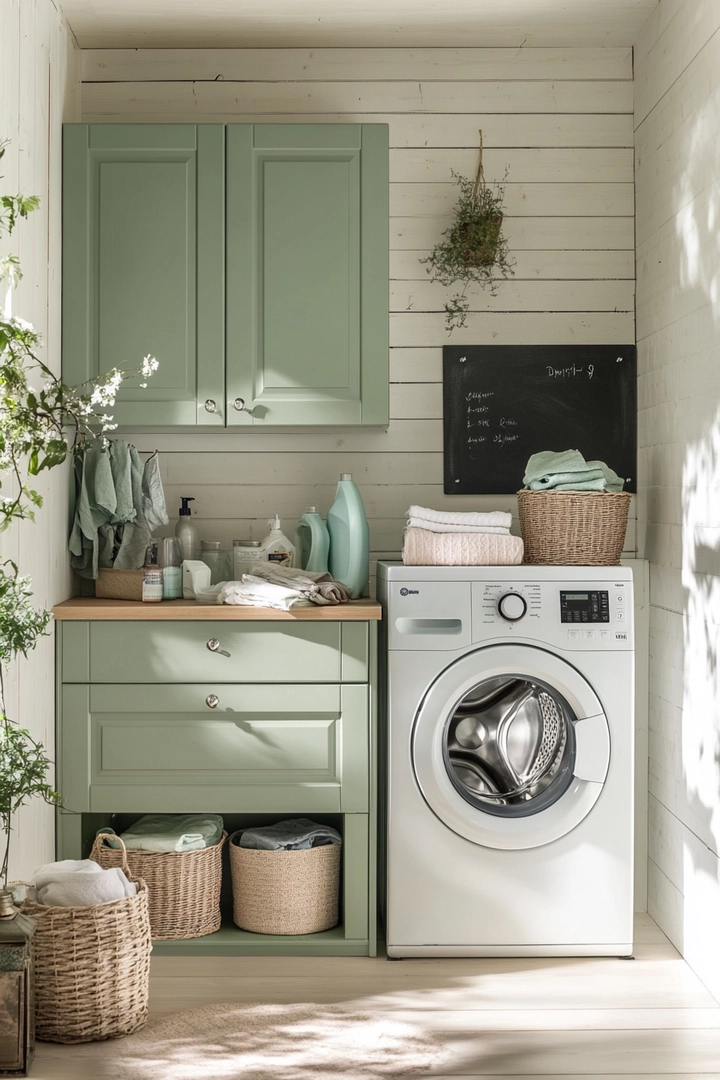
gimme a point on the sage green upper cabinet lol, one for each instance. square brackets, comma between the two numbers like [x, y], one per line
[143, 265]
[307, 274]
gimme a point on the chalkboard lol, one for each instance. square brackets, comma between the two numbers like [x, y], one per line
[502, 403]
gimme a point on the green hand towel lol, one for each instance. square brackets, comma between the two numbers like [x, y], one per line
[569, 471]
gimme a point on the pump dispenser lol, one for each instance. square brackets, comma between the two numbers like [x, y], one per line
[276, 545]
[186, 532]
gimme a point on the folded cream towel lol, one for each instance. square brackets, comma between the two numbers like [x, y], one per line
[424, 548]
[80, 883]
[420, 515]
[439, 527]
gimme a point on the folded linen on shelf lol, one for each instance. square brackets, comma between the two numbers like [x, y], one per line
[569, 471]
[422, 517]
[80, 883]
[295, 834]
[253, 591]
[171, 832]
[424, 548]
[320, 588]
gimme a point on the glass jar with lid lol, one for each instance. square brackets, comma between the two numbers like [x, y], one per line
[247, 554]
[213, 556]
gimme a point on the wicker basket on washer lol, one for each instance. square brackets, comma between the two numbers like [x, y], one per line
[285, 892]
[92, 968]
[184, 886]
[573, 528]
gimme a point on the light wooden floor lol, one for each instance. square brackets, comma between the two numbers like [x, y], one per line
[651, 1018]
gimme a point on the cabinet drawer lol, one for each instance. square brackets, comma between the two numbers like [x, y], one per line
[162, 652]
[294, 748]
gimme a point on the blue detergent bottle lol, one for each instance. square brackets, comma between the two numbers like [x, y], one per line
[312, 541]
[347, 525]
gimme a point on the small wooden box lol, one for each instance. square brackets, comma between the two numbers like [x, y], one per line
[119, 584]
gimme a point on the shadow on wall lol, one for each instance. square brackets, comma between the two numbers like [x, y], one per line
[689, 348]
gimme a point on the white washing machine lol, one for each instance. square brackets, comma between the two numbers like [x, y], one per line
[508, 707]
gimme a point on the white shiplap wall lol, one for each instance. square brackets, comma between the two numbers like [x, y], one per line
[39, 88]
[559, 119]
[677, 120]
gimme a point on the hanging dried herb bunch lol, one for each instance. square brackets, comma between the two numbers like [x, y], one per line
[474, 249]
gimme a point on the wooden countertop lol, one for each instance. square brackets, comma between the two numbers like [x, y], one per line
[89, 608]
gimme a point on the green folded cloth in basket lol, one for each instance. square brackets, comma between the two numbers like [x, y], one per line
[569, 471]
[171, 832]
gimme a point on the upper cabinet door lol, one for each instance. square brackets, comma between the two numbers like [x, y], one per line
[143, 265]
[307, 274]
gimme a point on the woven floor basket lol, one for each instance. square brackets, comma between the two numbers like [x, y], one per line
[184, 887]
[285, 892]
[92, 968]
[573, 528]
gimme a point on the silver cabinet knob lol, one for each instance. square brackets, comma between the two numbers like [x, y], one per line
[212, 701]
[239, 404]
[210, 405]
[213, 644]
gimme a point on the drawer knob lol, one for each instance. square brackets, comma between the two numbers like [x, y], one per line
[213, 644]
[210, 405]
[212, 701]
[239, 404]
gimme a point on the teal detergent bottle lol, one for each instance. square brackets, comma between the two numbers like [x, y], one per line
[312, 541]
[347, 525]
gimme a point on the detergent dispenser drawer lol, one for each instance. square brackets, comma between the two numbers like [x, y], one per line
[429, 615]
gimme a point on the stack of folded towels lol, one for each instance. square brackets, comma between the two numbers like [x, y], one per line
[445, 538]
[569, 471]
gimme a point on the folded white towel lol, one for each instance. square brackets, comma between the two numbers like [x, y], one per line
[494, 520]
[438, 527]
[254, 592]
[80, 883]
[424, 548]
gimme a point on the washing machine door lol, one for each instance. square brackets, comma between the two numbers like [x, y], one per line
[511, 747]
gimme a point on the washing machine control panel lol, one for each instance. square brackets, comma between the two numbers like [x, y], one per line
[592, 606]
[512, 606]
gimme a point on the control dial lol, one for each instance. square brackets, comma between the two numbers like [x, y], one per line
[512, 606]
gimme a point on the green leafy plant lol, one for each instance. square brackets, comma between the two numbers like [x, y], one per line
[474, 250]
[40, 421]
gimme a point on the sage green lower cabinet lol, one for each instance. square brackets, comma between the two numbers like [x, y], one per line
[237, 748]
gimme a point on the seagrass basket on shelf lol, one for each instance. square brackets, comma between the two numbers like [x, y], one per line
[92, 967]
[285, 892]
[184, 886]
[573, 528]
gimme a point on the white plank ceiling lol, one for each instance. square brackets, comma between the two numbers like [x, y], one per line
[355, 23]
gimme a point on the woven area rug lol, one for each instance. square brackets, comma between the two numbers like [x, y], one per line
[275, 1042]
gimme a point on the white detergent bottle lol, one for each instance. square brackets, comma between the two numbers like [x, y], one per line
[349, 538]
[312, 541]
[276, 545]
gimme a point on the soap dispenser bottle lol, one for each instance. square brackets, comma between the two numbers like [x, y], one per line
[186, 532]
[276, 545]
[349, 538]
[312, 541]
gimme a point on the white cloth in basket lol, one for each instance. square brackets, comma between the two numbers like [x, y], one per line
[80, 883]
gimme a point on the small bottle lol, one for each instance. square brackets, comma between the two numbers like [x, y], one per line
[152, 589]
[276, 546]
[186, 532]
[349, 538]
[312, 541]
[246, 555]
[170, 560]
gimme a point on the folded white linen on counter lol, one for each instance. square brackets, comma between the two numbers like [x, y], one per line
[255, 592]
[80, 883]
[320, 588]
[424, 548]
[421, 517]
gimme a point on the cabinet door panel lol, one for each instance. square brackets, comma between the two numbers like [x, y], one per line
[307, 233]
[143, 265]
[263, 748]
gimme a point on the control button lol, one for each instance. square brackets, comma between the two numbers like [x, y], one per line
[573, 635]
[620, 598]
[620, 616]
[589, 635]
[605, 635]
[512, 607]
[621, 637]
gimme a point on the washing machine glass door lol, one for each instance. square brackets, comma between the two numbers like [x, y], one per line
[511, 747]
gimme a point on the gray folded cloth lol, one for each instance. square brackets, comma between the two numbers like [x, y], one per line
[319, 588]
[295, 834]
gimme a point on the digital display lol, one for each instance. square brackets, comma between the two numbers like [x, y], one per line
[587, 607]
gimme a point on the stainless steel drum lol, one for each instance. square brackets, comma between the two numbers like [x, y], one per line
[509, 746]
